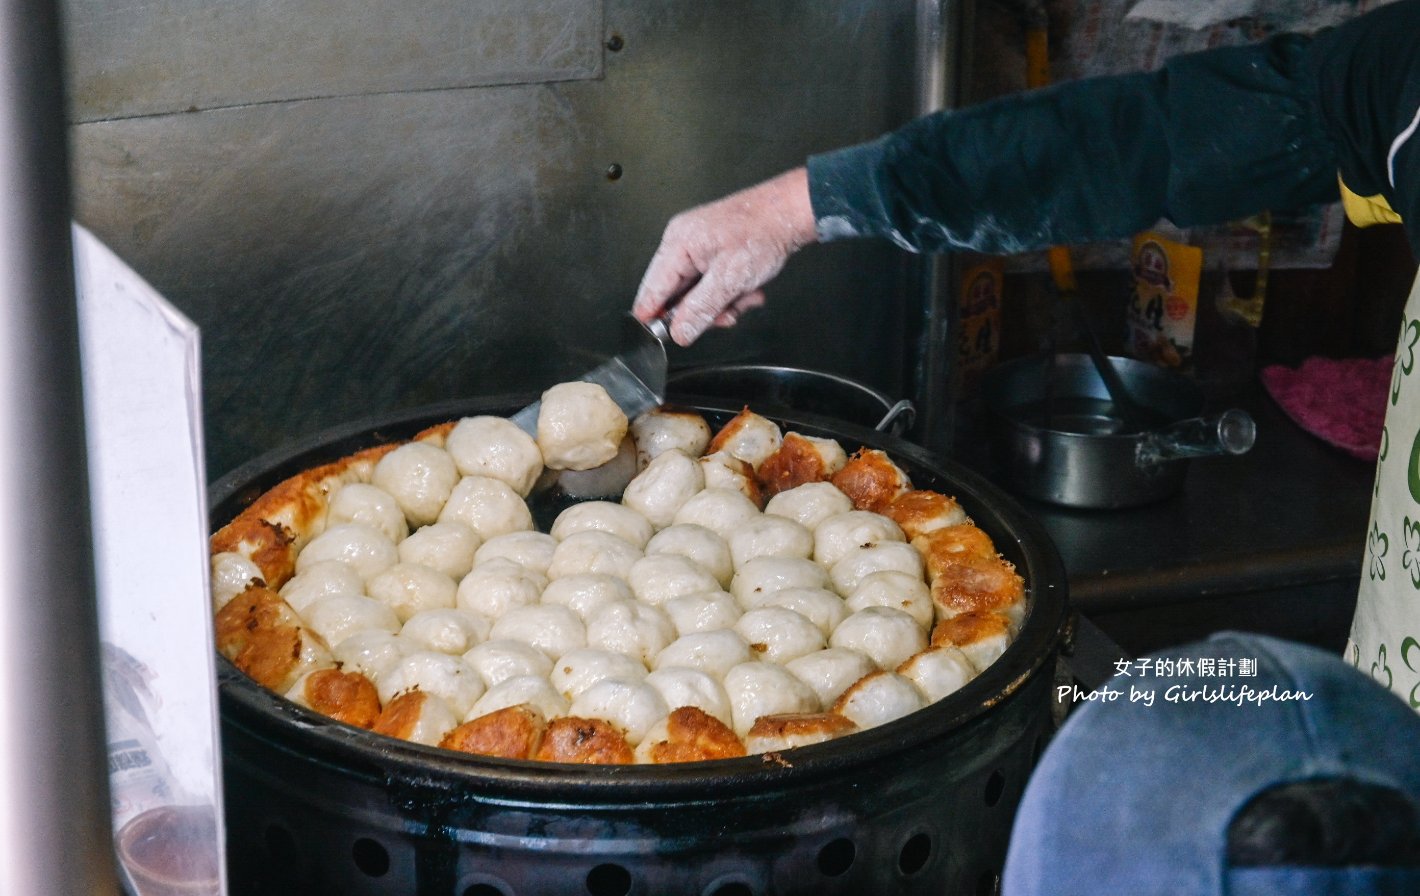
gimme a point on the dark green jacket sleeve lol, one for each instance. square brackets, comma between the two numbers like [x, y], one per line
[1368, 87]
[1210, 137]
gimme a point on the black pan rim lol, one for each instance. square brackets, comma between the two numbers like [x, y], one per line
[270, 715]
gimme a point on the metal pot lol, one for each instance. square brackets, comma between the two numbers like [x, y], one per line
[1060, 438]
[794, 390]
[921, 805]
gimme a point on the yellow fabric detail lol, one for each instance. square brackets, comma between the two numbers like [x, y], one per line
[1366, 210]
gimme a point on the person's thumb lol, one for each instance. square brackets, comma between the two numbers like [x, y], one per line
[671, 270]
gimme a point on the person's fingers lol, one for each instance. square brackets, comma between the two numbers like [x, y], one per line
[705, 302]
[713, 259]
[749, 301]
[731, 316]
[671, 272]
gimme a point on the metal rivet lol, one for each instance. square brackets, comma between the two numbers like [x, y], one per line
[613, 171]
[615, 43]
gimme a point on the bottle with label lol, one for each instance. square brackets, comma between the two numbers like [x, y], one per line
[979, 321]
[1163, 300]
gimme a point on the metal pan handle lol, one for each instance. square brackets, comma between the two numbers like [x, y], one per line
[904, 409]
[1229, 432]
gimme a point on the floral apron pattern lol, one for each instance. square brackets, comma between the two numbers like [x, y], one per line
[1385, 634]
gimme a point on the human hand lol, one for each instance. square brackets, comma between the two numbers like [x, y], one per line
[714, 259]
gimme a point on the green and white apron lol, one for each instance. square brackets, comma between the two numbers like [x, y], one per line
[1385, 634]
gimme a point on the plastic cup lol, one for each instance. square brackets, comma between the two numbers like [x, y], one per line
[172, 851]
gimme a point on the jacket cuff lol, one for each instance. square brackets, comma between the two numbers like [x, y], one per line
[842, 190]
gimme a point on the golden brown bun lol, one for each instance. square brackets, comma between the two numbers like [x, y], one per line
[693, 735]
[401, 714]
[514, 732]
[737, 424]
[261, 635]
[797, 462]
[270, 546]
[969, 628]
[976, 584]
[871, 480]
[584, 741]
[798, 728]
[347, 697]
[920, 512]
[942, 548]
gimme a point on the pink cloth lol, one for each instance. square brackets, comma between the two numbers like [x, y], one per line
[1340, 401]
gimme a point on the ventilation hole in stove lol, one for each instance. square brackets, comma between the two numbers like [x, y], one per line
[995, 787]
[370, 857]
[915, 853]
[989, 884]
[282, 846]
[608, 880]
[731, 889]
[483, 890]
[836, 856]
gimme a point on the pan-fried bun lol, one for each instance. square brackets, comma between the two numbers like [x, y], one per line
[264, 638]
[942, 547]
[748, 436]
[879, 698]
[974, 584]
[800, 460]
[419, 477]
[689, 734]
[416, 716]
[496, 448]
[579, 427]
[981, 636]
[514, 732]
[809, 504]
[668, 429]
[585, 742]
[871, 480]
[347, 697]
[789, 730]
[663, 487]
[920, 512]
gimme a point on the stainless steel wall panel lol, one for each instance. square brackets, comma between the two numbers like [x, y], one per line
[350, 255]
[941, 25]
[157, 56]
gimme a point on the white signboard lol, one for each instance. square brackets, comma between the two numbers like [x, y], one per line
[143, 416]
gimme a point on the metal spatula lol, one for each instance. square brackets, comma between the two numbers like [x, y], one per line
[635, 377]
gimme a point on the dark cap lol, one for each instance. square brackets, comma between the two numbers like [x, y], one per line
[1135, 798]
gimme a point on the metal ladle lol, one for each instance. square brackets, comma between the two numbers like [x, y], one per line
[1131, 414]
[1062, 268]
[1134, 416]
